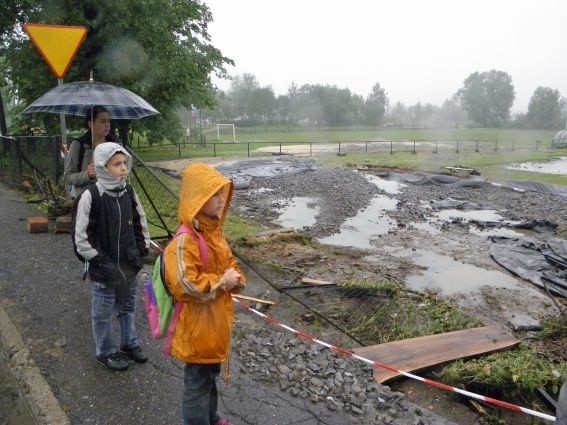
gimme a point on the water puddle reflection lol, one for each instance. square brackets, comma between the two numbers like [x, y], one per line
[486, 216]
[497, 225]
[497, 231]
[555, 166]
[449, 277]
[387, 186]
[370, 222]
[300, 212]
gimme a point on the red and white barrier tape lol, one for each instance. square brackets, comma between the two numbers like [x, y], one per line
[347, 353]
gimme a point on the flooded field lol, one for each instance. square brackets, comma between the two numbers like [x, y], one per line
[555, 166]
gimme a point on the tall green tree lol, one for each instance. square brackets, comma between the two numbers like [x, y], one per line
[487, 97]
[241, 92]
[263, 104]
[544, 109]
[159, 49]
[375, 106]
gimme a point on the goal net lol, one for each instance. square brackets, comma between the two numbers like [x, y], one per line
[224, 129]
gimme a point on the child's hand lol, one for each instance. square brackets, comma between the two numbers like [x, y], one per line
[91, 171]
[231, 279]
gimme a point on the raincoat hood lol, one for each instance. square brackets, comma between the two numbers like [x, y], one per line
[101, 156]
[200, 183]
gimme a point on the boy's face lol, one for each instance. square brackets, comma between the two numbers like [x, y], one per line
[215, 205]
[117, 165]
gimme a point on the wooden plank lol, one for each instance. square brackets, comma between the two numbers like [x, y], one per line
[316, 282]
[420, 353]
[257, 300]
[274, 232]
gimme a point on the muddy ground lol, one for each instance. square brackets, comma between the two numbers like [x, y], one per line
[410, 230]
[408, 240]
[341, 192]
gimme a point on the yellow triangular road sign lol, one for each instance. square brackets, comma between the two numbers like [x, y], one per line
[57, 44]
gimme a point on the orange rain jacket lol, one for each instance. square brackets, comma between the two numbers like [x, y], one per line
[203, 332]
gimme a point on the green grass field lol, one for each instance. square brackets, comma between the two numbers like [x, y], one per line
[498, 147]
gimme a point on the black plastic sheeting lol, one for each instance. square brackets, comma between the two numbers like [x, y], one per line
[542, 262]
[479, 182]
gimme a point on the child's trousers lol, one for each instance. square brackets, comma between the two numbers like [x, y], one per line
[200, 395]
[105, 300]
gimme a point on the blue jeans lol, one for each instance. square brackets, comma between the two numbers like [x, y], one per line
[104, 301]
[200, 395]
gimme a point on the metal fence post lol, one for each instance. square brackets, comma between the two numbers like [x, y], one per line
[391, 148]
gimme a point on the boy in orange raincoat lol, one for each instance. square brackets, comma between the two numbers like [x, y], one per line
[202, 335]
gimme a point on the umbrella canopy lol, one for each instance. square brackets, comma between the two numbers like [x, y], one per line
[76, 99]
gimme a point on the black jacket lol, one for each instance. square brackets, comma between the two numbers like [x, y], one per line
[114, 230]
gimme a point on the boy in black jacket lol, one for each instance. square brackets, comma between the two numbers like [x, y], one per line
[112, 235]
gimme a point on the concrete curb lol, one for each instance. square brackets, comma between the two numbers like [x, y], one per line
[38, 395]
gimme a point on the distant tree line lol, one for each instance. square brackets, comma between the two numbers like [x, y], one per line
[484, 100]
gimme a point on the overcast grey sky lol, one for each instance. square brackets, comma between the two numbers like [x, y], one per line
[418, 50]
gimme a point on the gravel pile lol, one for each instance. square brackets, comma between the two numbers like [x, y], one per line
[315, 373]
[340, 194]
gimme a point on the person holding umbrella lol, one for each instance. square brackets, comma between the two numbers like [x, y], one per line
[79, 167]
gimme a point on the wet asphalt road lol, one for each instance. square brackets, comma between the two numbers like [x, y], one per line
[42, 293]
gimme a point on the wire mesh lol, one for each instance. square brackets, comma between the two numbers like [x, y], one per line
[368, 312]
[28, 155]
[160, 201]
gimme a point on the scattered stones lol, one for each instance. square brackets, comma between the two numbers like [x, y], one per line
[317, 374]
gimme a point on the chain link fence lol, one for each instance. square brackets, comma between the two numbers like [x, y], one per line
[23, 156]
[38, 159]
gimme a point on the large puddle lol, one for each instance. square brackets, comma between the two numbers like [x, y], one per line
[555, 166]
[369, 223]
[387, 186]
[449, 277]
[298, 213]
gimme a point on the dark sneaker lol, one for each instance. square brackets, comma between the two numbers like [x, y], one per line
[114, 362]
[135, 353]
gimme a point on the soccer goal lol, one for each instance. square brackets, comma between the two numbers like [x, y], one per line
[219, 126]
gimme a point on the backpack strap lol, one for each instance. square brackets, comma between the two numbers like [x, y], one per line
[203, 250]
[178, 305]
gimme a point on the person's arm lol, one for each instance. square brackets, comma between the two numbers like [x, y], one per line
[141, 229]
[185, 272]
[83, 234]
[73, 174]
